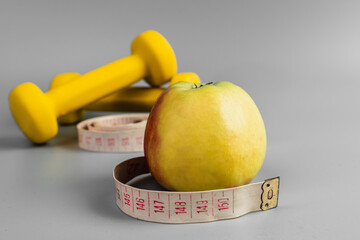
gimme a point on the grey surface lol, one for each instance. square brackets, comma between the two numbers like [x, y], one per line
[299, 60]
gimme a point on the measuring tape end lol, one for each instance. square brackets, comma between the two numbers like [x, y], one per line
[270, 193]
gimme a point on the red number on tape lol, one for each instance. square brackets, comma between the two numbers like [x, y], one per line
[181, 207]
[202, 206]
[140, 204]
[159, 207]
[127, 199]
[223, 204]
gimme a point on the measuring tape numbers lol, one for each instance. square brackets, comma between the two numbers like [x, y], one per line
[117, 133]
[125, 133]
[187, 207]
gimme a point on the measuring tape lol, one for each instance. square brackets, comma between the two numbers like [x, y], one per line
[125, 133]
[117, 133]
[187, 207]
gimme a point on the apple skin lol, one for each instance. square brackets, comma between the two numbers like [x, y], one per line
[203, 138]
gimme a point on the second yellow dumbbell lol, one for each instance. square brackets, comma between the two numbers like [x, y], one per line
[132, 99]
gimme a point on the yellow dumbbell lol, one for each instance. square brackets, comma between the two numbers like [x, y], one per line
[131, 99]
[152, 58]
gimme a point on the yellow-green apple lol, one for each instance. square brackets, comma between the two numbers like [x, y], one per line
[204, 136]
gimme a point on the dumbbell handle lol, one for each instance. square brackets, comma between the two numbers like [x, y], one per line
[130, 99]
[131, 68]
[134, 99]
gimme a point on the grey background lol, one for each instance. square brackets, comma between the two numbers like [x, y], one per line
[299, 60]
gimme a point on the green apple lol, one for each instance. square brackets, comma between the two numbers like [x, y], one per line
[204, 136]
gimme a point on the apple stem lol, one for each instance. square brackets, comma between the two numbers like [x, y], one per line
[202, 84]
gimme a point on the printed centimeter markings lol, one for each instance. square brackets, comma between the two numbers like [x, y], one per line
[99, 138]
[203, 206]
[140, 203]
[119, 143]
[132, 198]
[175, 205]
[178, 207]
[127, 198]
[149, 202]
[158, 205]
[121, 198]
[233, 200]
[118, 192]
[212, 202]
[169, 204]
[190, 205]
[222, 203]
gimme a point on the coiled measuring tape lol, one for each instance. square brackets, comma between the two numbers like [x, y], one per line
[186, 207]
[117, 133]
[167, 206]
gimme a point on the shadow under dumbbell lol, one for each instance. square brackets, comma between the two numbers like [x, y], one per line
[11, 143]
[67, 138]
[68, 141]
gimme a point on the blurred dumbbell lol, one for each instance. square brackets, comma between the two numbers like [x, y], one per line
[152, 59]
